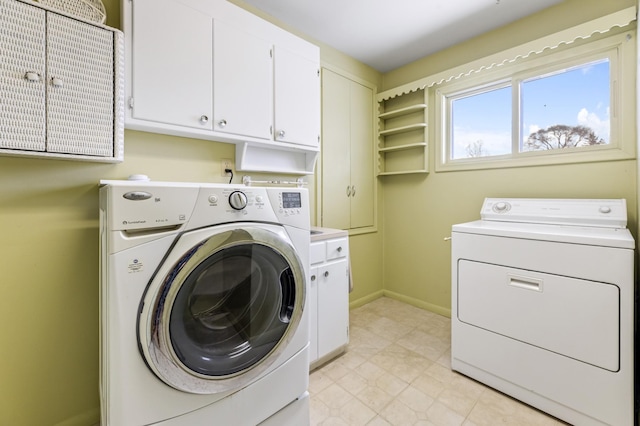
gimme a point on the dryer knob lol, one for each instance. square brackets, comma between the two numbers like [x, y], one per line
[238, 200]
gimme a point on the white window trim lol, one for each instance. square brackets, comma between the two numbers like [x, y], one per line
[620, 47]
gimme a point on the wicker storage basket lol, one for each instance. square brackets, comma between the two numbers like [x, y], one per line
[91, 10]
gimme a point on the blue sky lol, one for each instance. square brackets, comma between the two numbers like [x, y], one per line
[575, 97]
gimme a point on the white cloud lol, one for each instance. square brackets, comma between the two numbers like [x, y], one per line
[599, 125]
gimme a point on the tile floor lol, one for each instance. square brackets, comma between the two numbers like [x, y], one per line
[396, 371]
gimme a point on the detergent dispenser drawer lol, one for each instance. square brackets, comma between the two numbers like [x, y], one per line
[576, 318]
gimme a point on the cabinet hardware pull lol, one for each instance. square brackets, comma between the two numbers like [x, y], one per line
[313, 277]
[348, 191]
[56, 81]
[281, 134]
[326, 274]
[32, 76]
[204, 119]
[353, 191]
[339, 249]
[222, 123]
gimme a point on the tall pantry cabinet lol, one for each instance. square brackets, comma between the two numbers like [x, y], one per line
[348, 187]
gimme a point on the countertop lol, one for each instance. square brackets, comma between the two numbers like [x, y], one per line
[319, 234]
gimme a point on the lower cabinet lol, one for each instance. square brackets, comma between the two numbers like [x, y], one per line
[328, 299]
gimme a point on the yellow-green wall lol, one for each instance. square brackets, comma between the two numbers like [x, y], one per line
[419, 210]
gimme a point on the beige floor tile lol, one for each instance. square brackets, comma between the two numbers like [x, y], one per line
[375, 398]
[318, 381]
[379, 421]
[335, 370]
[397, 371]
[391, 384]
[457, 401]
[417, 400]
[353, 383]
[397, 413]
[355, 412]
[442, 415]
[334, 396]
[318, 411]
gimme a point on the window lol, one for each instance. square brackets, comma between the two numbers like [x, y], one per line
[553, 108]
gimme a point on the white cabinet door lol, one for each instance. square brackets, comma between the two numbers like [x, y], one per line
[312, 306]
[361, 155]
[336, 150]
[347, 153]
[172, 64]
[22, 76]
[333, 306]
[80, 80]
[242, 82]
[297, 98]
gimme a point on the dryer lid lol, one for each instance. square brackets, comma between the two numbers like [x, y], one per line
[607, 213]
[587, 235]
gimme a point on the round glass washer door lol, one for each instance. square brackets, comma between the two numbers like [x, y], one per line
[222, 312]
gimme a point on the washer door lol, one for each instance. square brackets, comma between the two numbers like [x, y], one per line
[222, 307]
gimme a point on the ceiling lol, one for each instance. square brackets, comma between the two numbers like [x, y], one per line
[386, 34]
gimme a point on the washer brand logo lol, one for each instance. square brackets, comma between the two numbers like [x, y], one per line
[137, 195]
[133, 222]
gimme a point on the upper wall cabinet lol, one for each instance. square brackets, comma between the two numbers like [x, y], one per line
[242, 82]
[61, 85]
[221, 73]
[170, 75]
[297, 107]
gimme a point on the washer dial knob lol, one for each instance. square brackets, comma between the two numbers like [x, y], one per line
[238, 200]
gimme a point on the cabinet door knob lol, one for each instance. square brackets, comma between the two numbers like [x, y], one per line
[339, 249]
[281, 134]
[56, 81]
[222, 123]
[353, 191]
[204, 119]
[32, 76]
[313, 277]
[326, 274]
[348, 191]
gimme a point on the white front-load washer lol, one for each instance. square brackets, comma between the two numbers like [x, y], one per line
[202, 304]
[543, 305]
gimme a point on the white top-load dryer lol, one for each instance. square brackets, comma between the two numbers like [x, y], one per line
[543, 305]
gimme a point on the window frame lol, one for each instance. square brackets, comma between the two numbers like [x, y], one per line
[620, 52]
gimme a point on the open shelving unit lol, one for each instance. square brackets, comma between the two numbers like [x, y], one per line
[402, 135]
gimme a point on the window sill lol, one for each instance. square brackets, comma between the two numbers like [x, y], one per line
[536, 159]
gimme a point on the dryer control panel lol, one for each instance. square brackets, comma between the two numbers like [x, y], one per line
[609, 213]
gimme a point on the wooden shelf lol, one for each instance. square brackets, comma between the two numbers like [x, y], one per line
[402, 129]
[403, 172]
[403, 147]
[402, 111]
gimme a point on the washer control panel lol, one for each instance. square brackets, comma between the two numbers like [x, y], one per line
[611, 213]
